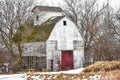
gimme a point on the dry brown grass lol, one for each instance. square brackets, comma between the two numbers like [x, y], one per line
[107, 70]
[60, 76]
[103, 67]
[112, 75]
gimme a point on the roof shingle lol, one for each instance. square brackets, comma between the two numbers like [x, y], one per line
[36, 33]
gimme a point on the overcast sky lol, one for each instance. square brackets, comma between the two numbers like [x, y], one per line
[114, 3]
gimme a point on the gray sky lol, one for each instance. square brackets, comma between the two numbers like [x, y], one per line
[114, 3]
[50, 2]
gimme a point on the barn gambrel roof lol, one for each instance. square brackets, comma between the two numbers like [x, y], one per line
[37, 33]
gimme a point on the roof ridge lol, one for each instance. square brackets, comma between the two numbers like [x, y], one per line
[45, 6]
[48, 8]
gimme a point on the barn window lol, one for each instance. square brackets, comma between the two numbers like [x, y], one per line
[26, 50]
[29, 62]
[37, 17]
[76, 44]
[54, 44]
[64, 23]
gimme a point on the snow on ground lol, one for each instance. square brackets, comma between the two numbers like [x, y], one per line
[13, 77]
[24, 76]
[74, 71]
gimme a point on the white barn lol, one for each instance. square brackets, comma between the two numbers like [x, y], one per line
[53, 37]
[64, 47]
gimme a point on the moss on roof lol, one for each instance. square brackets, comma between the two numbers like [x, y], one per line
[31, 33]
[48, 8]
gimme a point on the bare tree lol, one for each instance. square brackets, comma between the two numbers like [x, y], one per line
[105, 35]
[86, 15]
[13, 13]
[117, 24]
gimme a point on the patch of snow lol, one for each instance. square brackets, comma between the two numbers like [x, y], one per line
[24, 76]
[13, 77]
[74, 71]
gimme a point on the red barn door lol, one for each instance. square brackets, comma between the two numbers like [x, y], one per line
[67, 60]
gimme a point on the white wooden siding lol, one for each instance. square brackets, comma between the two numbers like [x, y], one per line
[45, 15]
[65, 35]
